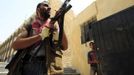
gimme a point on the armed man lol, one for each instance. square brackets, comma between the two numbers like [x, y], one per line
[40, 40]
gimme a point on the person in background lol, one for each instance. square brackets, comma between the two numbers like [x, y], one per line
[92, 59]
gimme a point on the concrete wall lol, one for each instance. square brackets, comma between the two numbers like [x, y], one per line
[109, 7]
[79, 51]
[101, 9]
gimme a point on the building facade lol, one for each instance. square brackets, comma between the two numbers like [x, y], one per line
[94, 24]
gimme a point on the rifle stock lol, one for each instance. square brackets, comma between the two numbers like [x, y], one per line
[15, 64]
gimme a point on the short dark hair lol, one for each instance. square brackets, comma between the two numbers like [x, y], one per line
[38, 5]
[91, 43]
[44, 2]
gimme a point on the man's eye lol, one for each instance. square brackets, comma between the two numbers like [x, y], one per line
[45, 5]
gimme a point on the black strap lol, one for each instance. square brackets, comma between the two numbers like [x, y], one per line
[29, 29]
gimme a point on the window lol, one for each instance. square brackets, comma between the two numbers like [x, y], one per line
[86, 31]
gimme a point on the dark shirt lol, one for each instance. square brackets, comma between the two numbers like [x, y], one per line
[92, 57]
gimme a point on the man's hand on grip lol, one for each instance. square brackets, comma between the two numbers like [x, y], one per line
[44, 33]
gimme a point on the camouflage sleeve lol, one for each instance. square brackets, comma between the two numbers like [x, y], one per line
[29, 20]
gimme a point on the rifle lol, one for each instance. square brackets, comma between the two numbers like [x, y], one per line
[65, 7]
[15, 65]
[59, 16]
